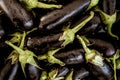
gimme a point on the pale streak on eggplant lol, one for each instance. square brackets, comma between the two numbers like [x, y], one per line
[58, 17]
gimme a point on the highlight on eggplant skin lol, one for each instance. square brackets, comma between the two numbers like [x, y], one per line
[55, 18]
[107, 48]
[104, 72]
[18, 15]
[72, 57]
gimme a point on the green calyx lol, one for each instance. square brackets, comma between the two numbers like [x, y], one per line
[24, 56]
[92, 4]
[30, 4]
[69, 34]
[91, 56]
[49, 56]
[50, 75]
[108, 20]
[69, 76]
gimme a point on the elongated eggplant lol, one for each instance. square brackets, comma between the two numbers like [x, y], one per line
[107, 48]
[117, 4]
[9, 72]
[65, 14]
[92, 27]
[62, 72]
[80, 74]
[2, 31]
[104, 72]
[72, 56]
[108, 6]
[32, 73]
[18, 15]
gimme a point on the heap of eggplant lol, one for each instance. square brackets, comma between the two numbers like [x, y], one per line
[59, 40]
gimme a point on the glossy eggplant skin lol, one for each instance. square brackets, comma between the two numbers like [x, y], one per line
[63, 71]
[17, 14]
[63, 15]
[71, 57]
[32, 72]
[2, 31]
[108, 6]
[107, 47]
[80, 74]
[104, 72]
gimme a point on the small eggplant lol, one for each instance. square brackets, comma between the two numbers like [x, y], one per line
[80, 74]
[108, 6]
[5, 70]
[18, 15]
[62, 72]
[32, 73]
[72, 56]
[101, 69]
[9, 72]
[92, 27]
[107, 48]
[104, 72]
[65, 14]
[108, 14]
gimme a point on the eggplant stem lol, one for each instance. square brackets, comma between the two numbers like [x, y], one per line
[92, 4]
[78, 27]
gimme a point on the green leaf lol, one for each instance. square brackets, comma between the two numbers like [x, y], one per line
[69, 34]
[49, 56]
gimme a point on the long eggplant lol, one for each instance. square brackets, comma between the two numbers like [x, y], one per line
[104, 72]
[18, 15]
[75, 56]
[65, 14]
[107, 48]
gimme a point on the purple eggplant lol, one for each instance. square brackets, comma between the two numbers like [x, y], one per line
[104, 72]
[63, 15]
[80, 74]
[17, 14]
[75, 56]
[107, 48]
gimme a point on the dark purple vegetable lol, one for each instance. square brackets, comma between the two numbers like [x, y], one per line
[104, 72]
[18, 15]
[62, 72]
[118, 4]
[108, 6]
[75, 56]
[105, 47]
[32, 72]
[63, 15]
[80, 74]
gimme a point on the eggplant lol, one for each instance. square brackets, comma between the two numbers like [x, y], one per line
[107, 47]
[117, 4]
[9, 71]
[17, 14]
[81, 73]
[104, 72]
[108, 6]
[74, 56]
[32, 73]
[108, 15]
[68, 12]
[62, 72]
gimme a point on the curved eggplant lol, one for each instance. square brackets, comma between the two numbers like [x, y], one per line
[18, 15]
[104, 72]
[107, 48]
[63, 15]
[72, 56]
